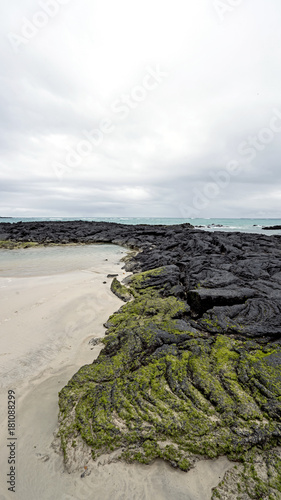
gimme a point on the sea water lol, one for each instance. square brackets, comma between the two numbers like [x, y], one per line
[244, 225]
[44, 261]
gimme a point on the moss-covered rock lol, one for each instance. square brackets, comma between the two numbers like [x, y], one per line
[121, 291]
[163, 388]
[257, 478]
[11, 245]
[163, 280]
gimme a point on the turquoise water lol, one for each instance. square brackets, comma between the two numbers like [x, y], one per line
[242, 225]
[43, 261]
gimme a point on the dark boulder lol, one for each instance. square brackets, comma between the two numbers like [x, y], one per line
[202, 299]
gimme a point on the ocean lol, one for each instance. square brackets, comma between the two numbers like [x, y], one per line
[242, 225]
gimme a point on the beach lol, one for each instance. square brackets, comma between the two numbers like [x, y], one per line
[47, 322]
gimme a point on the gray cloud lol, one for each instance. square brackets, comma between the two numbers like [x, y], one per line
[91, 61]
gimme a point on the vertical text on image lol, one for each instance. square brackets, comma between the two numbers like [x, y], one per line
[12, 440]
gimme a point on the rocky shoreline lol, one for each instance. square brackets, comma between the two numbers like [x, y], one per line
[272, 228]
[191, 364]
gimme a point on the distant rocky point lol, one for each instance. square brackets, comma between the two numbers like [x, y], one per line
[211, 226]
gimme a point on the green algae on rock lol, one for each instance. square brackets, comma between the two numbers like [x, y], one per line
[162, 388]
[121, 291]
[164, 279]
[258, 477]
[11, 245]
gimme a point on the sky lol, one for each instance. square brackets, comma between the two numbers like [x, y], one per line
[152, 108]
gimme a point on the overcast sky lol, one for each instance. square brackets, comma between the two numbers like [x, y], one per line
[151, 108]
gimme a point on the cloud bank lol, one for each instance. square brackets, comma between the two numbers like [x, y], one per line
[168, 109]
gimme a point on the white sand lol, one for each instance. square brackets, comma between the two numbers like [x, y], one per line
[46, 323]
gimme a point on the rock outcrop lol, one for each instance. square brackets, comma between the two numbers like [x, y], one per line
[192, 362]
[272, 228]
